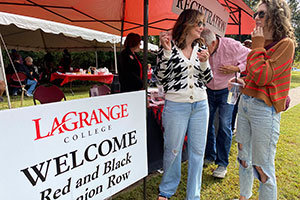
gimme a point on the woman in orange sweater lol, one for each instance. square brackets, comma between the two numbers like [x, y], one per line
[264, 95]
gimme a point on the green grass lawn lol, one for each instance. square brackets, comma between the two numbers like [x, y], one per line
[287, 160]
[287, 170]
[295, 79]
[80, 91]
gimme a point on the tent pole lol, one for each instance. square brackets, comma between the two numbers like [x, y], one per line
[4, 78]
[240, 24]
[96, 55]
[145, 68]
[115, 55]
[122, 25]
[145, 50]
[43, 38]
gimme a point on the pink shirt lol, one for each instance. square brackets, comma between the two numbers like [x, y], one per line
[229, 52]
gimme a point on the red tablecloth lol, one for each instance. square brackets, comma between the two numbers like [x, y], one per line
[157, 111]
[108, 78]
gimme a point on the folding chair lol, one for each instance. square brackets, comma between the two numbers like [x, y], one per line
[98, 90]
[48, 94]
[15, 82]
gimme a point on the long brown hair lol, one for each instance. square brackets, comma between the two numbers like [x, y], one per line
[278, 19]
[187, 19]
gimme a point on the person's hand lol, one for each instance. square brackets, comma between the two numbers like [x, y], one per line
[229, 69]
[203, 55]
[236, 80]
[165, 40]
[257, 31]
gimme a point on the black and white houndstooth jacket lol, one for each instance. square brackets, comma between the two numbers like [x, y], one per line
[183, 79]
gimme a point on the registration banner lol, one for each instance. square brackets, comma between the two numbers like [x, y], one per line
[74, 150]
[216, 16]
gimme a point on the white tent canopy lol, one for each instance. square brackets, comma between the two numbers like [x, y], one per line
[151, 47]
[27, 33]
[32, 34]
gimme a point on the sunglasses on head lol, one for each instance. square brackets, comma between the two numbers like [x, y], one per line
[201, 23]
[261, 14]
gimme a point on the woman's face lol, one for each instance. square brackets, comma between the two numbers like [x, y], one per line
[260, 16]
[195, 31]
[137, 48]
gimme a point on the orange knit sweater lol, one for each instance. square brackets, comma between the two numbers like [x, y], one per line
[269, 72]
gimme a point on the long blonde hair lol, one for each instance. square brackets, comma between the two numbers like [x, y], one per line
[278, 19]
[185, 21]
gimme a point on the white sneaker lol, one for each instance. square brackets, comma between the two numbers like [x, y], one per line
[220, 172]
[29, 94]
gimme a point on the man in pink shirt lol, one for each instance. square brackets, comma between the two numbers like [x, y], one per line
[227, 58]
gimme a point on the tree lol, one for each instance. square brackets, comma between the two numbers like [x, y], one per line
[251, 3]
[295, 18]
[154, 39]
[295, 10]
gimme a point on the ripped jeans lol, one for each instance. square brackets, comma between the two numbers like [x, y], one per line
[258, 128]
[179, 119]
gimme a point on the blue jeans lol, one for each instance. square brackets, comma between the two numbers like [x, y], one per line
[258, 128]
[218, 147]
[32, 84]
[179, 119]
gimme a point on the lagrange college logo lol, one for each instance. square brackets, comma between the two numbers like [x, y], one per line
[73, 120]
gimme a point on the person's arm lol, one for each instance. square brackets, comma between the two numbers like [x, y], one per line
[264, 69]
[23, 68]
[229, 69]
[163, 56]
[240, 54]
[205, 70]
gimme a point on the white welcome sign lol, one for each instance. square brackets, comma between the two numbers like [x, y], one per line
[74, 150]
[216, 16]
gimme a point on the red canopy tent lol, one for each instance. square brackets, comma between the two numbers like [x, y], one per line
[240, 18]
[121, 16]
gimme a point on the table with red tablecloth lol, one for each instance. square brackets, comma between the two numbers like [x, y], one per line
[155, 137]
[103, 78]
